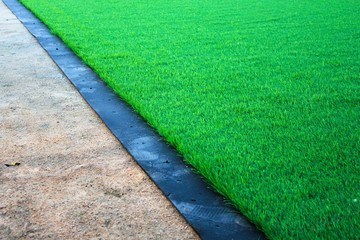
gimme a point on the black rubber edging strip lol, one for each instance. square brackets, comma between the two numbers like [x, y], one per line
[204, 209]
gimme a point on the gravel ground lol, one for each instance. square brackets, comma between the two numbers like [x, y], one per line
[75, 180]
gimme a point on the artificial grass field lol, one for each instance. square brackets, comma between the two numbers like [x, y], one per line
[261, 97]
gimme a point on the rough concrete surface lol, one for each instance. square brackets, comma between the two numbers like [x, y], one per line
[75, 180]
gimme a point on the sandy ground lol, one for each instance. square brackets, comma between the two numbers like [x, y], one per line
[75, 180]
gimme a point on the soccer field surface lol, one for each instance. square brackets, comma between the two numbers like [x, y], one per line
[261, 97]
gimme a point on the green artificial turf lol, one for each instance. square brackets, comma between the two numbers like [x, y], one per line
[261, 97]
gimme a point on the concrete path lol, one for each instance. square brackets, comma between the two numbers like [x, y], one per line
[75, 180]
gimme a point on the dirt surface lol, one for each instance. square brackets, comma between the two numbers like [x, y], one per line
[75, 180]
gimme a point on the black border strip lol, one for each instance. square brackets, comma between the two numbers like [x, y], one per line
[204, 209]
